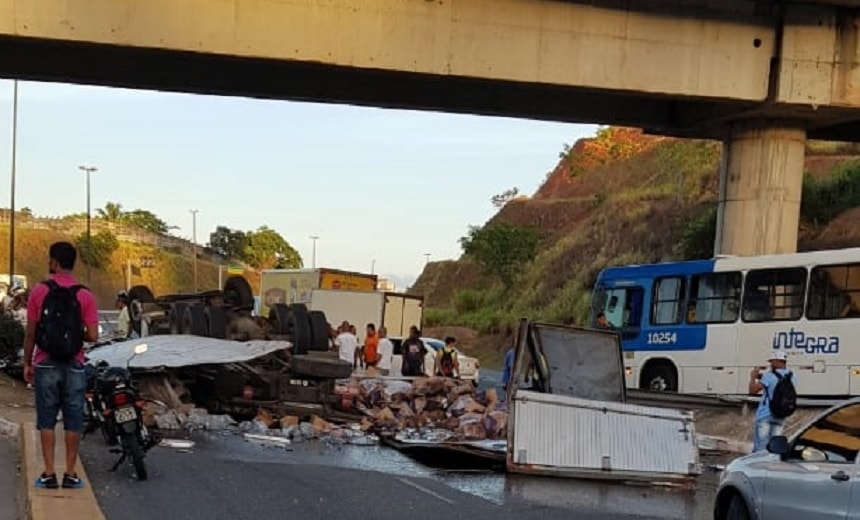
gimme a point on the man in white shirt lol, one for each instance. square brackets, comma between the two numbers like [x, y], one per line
[123, 322]
[346, 343]
[384, 350]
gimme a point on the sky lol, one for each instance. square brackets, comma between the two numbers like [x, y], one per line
[372, 184]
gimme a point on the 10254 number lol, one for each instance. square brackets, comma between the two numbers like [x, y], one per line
[662, 338]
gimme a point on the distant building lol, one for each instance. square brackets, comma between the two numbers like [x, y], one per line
[384, 284]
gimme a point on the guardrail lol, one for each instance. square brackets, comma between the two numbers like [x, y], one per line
[698, 402]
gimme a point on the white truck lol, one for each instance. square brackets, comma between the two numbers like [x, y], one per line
[395, 311]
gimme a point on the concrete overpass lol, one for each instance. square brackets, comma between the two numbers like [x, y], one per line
[761, 75]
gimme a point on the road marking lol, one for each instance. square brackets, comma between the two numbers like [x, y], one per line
[423, 489]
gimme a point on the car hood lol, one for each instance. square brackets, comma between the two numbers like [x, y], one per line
[751, 463]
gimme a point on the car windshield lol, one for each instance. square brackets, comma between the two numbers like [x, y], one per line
[434, 343]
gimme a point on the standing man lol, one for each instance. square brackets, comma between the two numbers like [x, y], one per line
[413, 351]
[778, 400]
[371, 346]
[61, 315]
[123, 322]
[346, 344]
[385, 351]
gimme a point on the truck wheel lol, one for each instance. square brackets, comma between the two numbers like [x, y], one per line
[216, 321]
[137, 296]
[319, 331]
[279, 317]
[238, 293]
[299, 325]
[320, 367]
[177, 312]
[194, 321]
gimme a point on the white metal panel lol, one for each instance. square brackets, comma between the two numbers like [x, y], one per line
[181, 350]
[357, 307]
[744, 263]
[569, 435]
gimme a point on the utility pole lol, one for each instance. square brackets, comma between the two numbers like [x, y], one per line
[373, 266]
[427, 257]
[314, 238]
[88, 170]
[194, 240]
[12, 187]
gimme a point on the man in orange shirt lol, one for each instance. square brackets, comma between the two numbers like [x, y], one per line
[371, 346]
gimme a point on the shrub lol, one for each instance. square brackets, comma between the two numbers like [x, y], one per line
[468, 300]
[697, 240]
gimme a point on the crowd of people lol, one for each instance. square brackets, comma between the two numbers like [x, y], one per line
[377, 352]
[14, 304]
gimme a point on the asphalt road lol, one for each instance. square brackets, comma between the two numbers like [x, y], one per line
[225, 477]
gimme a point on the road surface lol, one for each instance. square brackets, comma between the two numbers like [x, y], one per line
[225, 477]
[8, 479]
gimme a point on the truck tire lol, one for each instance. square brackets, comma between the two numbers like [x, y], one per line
[138, 295]
[194, 321]
[299, 326]
[319, 331]
[238, 293]
[177, 312]
[320, 367]
[216, 321]
[279, 318]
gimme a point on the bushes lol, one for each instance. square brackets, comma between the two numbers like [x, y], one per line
[697, 239]
[824, 199]
[96, 252]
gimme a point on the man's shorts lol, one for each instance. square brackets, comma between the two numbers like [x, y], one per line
[60, 386]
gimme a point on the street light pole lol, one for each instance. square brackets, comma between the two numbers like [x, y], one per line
[88, 170]
[194, 240]
[427, 257]
[373, 266]
[314, 238]
[12, 184]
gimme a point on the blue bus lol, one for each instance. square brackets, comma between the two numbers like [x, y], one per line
[701, 326]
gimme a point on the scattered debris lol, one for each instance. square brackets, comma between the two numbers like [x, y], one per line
[267, 439]
[178, 444]
[431, 409]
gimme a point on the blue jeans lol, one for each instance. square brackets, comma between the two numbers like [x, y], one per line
[765, 428]
[60, 386]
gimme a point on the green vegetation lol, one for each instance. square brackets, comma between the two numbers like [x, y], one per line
[264, 248]
[138, 218]
[97, 250]
[628, 198]
[501, 249]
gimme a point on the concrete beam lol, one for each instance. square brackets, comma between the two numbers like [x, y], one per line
[527, 41]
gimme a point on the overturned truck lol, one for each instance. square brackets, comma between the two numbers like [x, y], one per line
[210, 348]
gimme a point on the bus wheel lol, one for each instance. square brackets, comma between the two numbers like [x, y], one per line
[660, 377]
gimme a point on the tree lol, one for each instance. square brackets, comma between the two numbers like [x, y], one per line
[112, 212]
[501, 249]
[97, 251]
[228, 242]
[267, 249]
[504, 197]
[146, 220]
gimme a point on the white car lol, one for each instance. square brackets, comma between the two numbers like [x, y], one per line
[469, 367]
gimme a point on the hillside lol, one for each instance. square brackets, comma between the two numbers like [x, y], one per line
[621, 197]
[171, 273]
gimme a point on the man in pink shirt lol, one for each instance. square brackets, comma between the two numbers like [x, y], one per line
[59, 384]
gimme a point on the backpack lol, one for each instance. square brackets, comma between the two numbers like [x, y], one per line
[447, 363]
[784, 400]
[60, 332]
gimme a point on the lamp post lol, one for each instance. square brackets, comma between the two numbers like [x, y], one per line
[427, 258]
[373, 266]
[12, 184]
[88, 170]
[314, 239]
[194, 241]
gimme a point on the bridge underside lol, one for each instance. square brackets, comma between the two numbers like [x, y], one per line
[182, 71]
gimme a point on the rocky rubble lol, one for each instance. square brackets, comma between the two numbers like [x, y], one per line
[432, 409]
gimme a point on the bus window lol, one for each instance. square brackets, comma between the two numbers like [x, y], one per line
[668, 301]
[714, 298]
[774, 294]
[623, 309]
[834, 292]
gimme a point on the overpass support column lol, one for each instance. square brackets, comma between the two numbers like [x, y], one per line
[761, 179]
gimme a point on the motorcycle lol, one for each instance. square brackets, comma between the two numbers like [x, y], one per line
[115, 408]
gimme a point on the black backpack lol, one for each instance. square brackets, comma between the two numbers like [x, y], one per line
[784, 400]
[60, 332]
[446, 364]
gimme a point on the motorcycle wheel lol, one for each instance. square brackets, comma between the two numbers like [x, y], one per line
[135, 451]
[108, 433]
